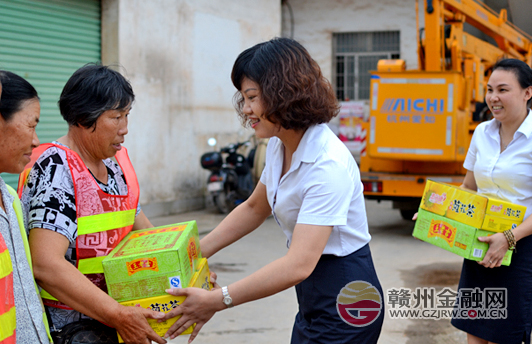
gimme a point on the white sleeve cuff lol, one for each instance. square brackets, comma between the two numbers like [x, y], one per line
[322, 220]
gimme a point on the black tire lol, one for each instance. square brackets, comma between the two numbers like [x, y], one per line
[225, 201]
[407, 214]
[221, 203]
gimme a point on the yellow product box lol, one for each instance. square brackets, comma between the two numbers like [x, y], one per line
[498, 224]
[453, 236]
[437, 197]
[499, 208]
[165, 303]
[454, 202]
[502, 215]
[471, 208]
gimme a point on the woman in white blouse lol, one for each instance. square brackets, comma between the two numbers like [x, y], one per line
[311, 184]
[499, 163]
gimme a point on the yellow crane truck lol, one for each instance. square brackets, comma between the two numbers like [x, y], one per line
[421, 121]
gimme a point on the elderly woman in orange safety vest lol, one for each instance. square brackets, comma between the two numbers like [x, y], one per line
[22, 319]
[79, 205]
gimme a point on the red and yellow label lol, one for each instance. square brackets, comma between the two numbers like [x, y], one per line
[140, 264]
[192, 251]
[158, 230]
[442, 230]
[460, 245]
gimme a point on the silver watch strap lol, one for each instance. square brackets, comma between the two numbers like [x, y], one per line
[227, 300]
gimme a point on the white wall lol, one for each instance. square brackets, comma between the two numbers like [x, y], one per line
[178, 56]
[316, 20]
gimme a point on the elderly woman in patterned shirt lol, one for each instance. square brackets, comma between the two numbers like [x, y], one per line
[72, 182]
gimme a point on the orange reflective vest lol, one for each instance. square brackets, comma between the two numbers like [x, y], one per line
[103, 219]
[8, 319]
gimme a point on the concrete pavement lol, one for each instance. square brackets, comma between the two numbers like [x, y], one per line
[400, 260]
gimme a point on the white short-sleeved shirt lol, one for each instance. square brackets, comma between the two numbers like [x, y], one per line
[506, 175]
[322, 188]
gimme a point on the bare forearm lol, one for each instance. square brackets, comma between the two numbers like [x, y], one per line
[240, 222]
[63, 281]
[66, 283]
[523, 230]
[469, 181]
[308, 243]
[273, 278]
[141, 221]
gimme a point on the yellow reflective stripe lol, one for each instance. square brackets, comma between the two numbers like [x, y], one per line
[18, 211]
[45, 295]
[8, 323]
[91, 265]
[5, 264]
[106, 221]
[20, 218]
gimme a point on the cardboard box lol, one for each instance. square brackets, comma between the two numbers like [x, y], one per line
[453, 236]
[146, 262]
[471, 208]
[165, 303]
[498, 224]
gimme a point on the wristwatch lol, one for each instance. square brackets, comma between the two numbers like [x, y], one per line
[227, 300]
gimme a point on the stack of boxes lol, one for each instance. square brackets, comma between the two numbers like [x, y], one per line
[454, 218]
[147, 262]
[165, 303]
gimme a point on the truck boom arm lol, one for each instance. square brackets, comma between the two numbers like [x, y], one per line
[511, 41]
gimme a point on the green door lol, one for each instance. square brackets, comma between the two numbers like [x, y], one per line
[45, 41]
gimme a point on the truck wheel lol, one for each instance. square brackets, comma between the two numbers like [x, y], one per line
[407, 214]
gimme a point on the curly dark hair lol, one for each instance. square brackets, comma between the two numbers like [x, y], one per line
[294, 93]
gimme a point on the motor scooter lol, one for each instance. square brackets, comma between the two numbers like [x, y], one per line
[231, 180]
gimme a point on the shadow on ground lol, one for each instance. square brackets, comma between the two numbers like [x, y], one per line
[439, 276]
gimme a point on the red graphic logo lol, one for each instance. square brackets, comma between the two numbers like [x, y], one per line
[192, 251]
[359, 303]
[442, 229]
[140, 264]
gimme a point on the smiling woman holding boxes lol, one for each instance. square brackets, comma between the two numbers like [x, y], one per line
[498, 163]
[311, 185]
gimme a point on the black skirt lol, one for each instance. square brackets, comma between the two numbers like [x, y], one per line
[321, 319]
[517, 280]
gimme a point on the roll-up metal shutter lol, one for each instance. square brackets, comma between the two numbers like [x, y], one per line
[45, 41]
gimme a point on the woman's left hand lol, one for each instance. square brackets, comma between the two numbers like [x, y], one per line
[498, 245]
[198, 307]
